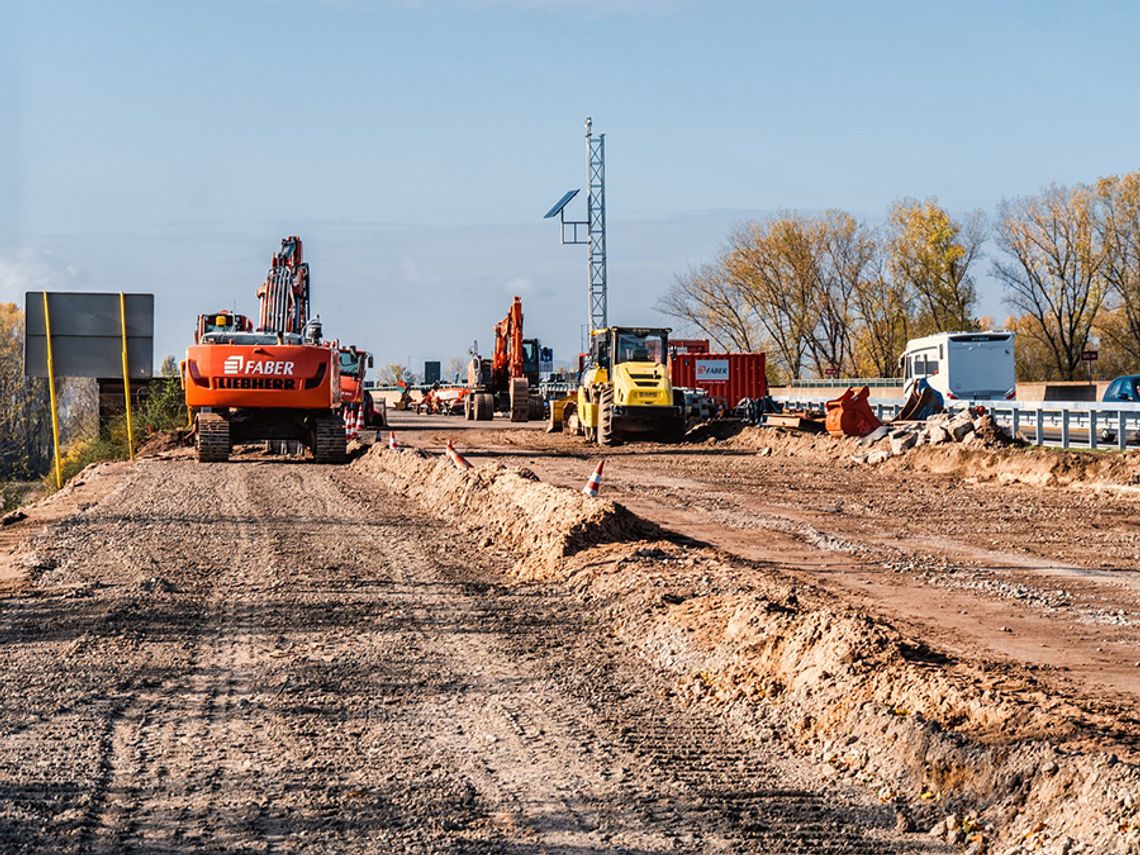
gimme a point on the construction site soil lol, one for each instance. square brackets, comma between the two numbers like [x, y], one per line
[749, 643]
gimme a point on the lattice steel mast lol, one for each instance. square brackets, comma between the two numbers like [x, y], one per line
[594, 224]
[596, 217]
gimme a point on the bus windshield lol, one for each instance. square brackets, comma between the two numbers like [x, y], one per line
[640, 348]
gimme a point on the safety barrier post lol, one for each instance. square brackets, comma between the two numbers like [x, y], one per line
[126, 375]
[1121, 436]
[1039, 436]
[1015, 415]
[51, 394]
[1065, 428]
[1092, 430]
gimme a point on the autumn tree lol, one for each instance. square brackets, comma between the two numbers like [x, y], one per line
[1053, 269]
[881, 305]
[1119, 216]
[931, 255]
[25, 412]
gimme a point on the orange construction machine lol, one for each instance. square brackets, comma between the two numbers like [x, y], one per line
[354, 364]
[509, 381]
[278, 382]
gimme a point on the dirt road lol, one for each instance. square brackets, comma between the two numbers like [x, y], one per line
[1043, 577]
[278, 657]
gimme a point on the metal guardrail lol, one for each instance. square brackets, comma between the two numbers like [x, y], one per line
[1064, 424]
[845, 382]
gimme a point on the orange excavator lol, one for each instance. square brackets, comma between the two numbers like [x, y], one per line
[354, 364]
[276, 382]
[508, 382]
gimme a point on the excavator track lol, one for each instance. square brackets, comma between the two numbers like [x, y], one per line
[329, 443]
[213, 438]
[520, 400]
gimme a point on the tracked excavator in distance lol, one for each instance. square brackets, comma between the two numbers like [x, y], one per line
[279, 381]
[354, 365]
[509, 381]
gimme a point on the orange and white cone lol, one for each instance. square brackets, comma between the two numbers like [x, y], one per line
[458, 459]
[595, 481]
[392, 440]
[359, 419]
[349, 424]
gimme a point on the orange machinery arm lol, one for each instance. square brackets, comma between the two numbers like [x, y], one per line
[508, 356]
[284, 294]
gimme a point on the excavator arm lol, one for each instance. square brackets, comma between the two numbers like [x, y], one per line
[284, 294]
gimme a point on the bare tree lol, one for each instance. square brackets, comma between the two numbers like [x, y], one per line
[844, 250]
[706, 299]
[1054, 268]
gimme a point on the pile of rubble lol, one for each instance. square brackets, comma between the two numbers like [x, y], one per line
[965, 428]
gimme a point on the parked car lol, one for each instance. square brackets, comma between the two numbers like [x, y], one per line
[1124, 390]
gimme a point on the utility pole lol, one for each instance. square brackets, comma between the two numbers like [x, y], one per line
[594, 226]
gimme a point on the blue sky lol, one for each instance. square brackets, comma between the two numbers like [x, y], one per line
[415, 144]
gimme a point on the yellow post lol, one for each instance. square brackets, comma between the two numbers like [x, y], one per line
[126, 374]
[51, 393]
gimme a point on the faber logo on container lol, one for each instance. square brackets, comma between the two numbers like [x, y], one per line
[712, 370]
[232, 365]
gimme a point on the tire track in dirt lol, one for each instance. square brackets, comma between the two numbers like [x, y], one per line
[280, 657]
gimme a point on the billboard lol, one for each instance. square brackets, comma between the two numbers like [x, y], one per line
[431, 373]
[86, 335]
[546, 360]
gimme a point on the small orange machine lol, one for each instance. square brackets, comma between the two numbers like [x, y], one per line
[277, 382]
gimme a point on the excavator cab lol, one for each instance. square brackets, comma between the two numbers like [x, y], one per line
[222, 322]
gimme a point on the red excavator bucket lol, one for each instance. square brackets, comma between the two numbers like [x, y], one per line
[851, 415]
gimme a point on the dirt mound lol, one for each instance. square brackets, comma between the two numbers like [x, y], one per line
[509, 509]
[1045, 467]
[980, 754]
[164, 442]
[992, 457]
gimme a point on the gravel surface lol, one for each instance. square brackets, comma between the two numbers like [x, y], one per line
[265, 656]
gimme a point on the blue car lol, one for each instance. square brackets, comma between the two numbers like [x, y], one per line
[1126, 388]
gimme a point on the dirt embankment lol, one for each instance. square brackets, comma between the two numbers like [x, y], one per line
[984, 758]
[1038, 466]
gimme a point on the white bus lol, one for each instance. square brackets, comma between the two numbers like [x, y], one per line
[962, 365]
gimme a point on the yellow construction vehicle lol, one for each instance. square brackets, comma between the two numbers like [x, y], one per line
[624, 391]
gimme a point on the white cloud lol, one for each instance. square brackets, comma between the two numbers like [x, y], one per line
[520, 285]
[417, 277]
[36, 270]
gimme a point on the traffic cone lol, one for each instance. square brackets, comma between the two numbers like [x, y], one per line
[458, 459]
[595, 481]
[349, 424]
[392, 444]
[359, 419]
